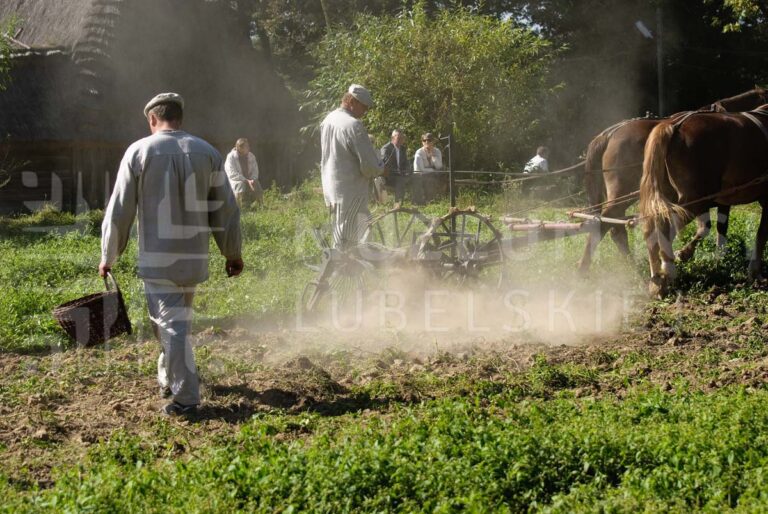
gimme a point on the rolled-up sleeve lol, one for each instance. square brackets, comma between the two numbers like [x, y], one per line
[224, 216]
[121, 211]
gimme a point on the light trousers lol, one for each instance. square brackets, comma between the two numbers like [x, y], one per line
[170, 310]
[349, 220]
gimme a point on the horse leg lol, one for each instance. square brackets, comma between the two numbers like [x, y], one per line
[621, 239]
[723, 215]
[755, 263]
[656, 287]
[666, 234]
[596, 234]
[618, 234]
[703, 224]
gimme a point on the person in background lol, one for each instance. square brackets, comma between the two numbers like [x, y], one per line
[538, 163]
[349, 162]
[379, 190]
[243, 173]
[176, 184]
[427, 161]
[397, 167]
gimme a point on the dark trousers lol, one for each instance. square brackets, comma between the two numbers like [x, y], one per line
[400, 184]
[425, 186]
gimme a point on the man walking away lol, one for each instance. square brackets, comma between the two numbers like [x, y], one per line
[175, 182]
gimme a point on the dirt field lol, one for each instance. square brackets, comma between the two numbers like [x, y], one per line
[55, 406]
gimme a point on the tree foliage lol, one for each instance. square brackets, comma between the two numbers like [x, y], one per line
[606, 68]
[477, 77]
[746, 13]
[6, 29]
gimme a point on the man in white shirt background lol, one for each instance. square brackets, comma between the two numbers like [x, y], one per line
[539, 162]
[349, 162]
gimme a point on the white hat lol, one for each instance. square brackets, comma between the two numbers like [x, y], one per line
[164, 98]
[361, 94]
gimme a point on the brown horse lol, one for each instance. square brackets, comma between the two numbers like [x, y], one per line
[693, 163]
[614, 166]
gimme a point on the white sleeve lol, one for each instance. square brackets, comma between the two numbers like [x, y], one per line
[233, 168]
[419, 163]
[254, 165]
[370, 163]
[224, 220]
[437, 160]
[528, 166]
[121, 211]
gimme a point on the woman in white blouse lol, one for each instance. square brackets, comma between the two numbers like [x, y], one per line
[427, 160]
[243, 173]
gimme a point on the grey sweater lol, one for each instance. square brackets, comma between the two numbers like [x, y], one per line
[349, 161]
[176, 184]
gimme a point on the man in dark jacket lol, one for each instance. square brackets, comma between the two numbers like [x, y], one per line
[397, 167]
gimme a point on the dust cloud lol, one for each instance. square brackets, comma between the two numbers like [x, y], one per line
[421, 315]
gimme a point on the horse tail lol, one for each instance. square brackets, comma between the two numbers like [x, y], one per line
[593, 170]
[655, 180]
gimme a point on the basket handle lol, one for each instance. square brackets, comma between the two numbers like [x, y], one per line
[113, 283]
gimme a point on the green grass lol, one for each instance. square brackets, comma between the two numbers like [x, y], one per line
[652, 427]
[653, 450]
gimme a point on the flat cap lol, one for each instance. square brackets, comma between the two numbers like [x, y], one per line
[361, 94]
[163, 98]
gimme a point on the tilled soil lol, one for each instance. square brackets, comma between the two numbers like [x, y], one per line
[56, 406]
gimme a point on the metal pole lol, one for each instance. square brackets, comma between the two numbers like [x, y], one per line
[451, 194]
[660, 60]
[451, 183]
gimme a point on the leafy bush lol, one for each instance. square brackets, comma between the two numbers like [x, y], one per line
[480, 78]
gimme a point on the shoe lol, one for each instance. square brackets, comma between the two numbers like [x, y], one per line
[165, 392]
[175, 409]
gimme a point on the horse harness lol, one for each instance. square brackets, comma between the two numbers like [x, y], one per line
[754, 119]
[750, 115]
[613, 128]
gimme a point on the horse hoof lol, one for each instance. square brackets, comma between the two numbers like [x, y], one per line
[683, 255]
[581, 270]
[657, 287]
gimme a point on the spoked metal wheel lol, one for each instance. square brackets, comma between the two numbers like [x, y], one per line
[398, 229]
[463, 247]
[340, 284]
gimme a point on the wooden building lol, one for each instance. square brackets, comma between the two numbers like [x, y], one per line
[82, 71]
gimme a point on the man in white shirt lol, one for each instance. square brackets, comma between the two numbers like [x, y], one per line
[426, 162]
[539, 163]
[243, 174]
[349, 162]
[175, 182]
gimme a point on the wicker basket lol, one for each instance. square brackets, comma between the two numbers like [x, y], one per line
[93, 319]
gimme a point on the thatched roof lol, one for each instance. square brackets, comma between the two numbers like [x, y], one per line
[48, 23]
